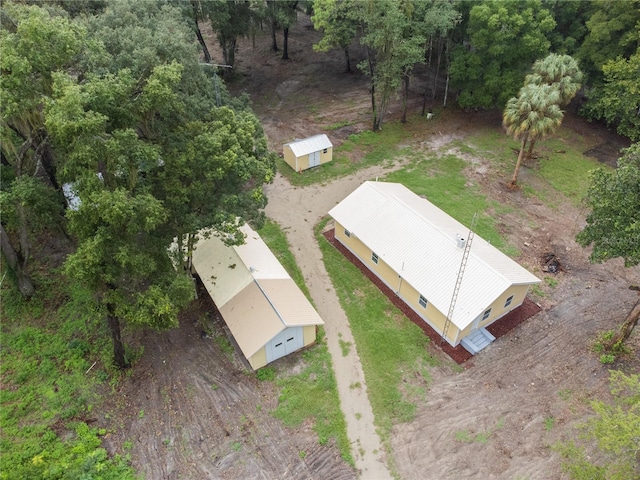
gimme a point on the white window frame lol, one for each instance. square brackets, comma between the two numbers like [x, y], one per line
[374, 257]
[422, 301]
[486, 314]
[347, 233]
[508, 302]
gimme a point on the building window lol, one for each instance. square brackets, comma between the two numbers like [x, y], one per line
[374, 258]
[347, 233]
[508, 302]
[324, 151]
[422, 301]
[486, 314]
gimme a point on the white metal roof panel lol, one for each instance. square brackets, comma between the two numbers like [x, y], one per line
[221, 270]
[257, 258]
[254, 293]
[418, 240]
[290, 303]
[251, 319]
[309, 145]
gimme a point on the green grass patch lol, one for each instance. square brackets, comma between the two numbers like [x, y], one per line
[549, 423]
[312, 393]
[369, 148]
[560, 163]
[338, 125]
[389, 345]
[566, 169]
[49, 388]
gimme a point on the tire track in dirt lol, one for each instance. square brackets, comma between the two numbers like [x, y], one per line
[498, 418]
[189, 411]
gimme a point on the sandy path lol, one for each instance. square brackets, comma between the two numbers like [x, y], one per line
[298, 210]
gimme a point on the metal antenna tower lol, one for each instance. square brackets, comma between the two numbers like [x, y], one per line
[456, 288]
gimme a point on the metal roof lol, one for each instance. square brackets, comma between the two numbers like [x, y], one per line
[309, 145]
[418, 240]
[254, 293]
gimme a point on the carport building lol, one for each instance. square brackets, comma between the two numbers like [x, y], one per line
[265, 311]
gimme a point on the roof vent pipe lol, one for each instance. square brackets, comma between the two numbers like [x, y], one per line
[460, 241]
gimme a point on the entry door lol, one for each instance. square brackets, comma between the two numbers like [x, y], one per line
[287, 341]
[314, 159]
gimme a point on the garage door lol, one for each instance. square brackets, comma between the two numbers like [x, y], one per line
[287, 341]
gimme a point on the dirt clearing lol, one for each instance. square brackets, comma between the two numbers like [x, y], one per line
[188, 410]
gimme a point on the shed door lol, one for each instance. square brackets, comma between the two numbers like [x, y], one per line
[287, 341]
[314, 159]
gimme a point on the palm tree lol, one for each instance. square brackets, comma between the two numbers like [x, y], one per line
[533, 114]
[561, 71]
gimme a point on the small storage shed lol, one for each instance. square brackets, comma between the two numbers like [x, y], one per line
[309, 152]
[416, 250]
[267, 314]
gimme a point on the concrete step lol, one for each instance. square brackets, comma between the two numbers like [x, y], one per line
[477, 340]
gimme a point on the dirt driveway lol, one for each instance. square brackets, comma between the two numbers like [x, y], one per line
[189, 411]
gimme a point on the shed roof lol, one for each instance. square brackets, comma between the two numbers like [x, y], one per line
[418, 240]
[309, 145]
[254, 293]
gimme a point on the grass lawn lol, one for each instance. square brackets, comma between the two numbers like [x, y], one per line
[312, 393]
[46, 394]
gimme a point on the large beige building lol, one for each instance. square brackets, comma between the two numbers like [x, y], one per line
[416, 250]
[267, 314]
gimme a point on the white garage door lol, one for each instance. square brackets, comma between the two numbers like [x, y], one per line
[287, 341]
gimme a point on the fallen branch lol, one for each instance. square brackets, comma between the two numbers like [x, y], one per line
[94, 364]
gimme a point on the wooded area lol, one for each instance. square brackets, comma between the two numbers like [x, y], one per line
[120, 140]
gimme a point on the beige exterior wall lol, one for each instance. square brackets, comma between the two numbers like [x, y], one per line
[259, 359]
[289, 157]
[303, 161]
[410, 295]
[308, 335]
[431, 314]
[498, 309]
[326, 157]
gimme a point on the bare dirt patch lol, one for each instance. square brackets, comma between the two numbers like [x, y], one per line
[190, 411]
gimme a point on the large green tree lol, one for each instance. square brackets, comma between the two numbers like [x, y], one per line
[437, 19]
[391, 52]
[613, 225]
[339, 25]
[612, 33]
[504, 39]
[617, 99]
[119, 224]
[230, 20]
[152, 158]
[34, 43]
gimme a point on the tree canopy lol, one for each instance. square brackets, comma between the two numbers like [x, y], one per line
[616, 431]
[504, 39]
[613, 225]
